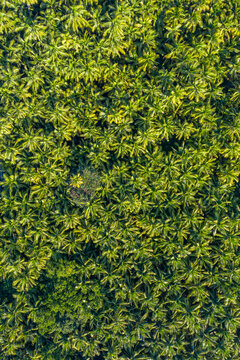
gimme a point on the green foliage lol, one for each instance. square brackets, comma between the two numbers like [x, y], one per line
[1, 178]
[120, 192]
[89, 181]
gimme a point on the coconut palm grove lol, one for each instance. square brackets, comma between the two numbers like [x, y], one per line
[120, 179]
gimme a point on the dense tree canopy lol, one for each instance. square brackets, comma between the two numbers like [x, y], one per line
[120, 163]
